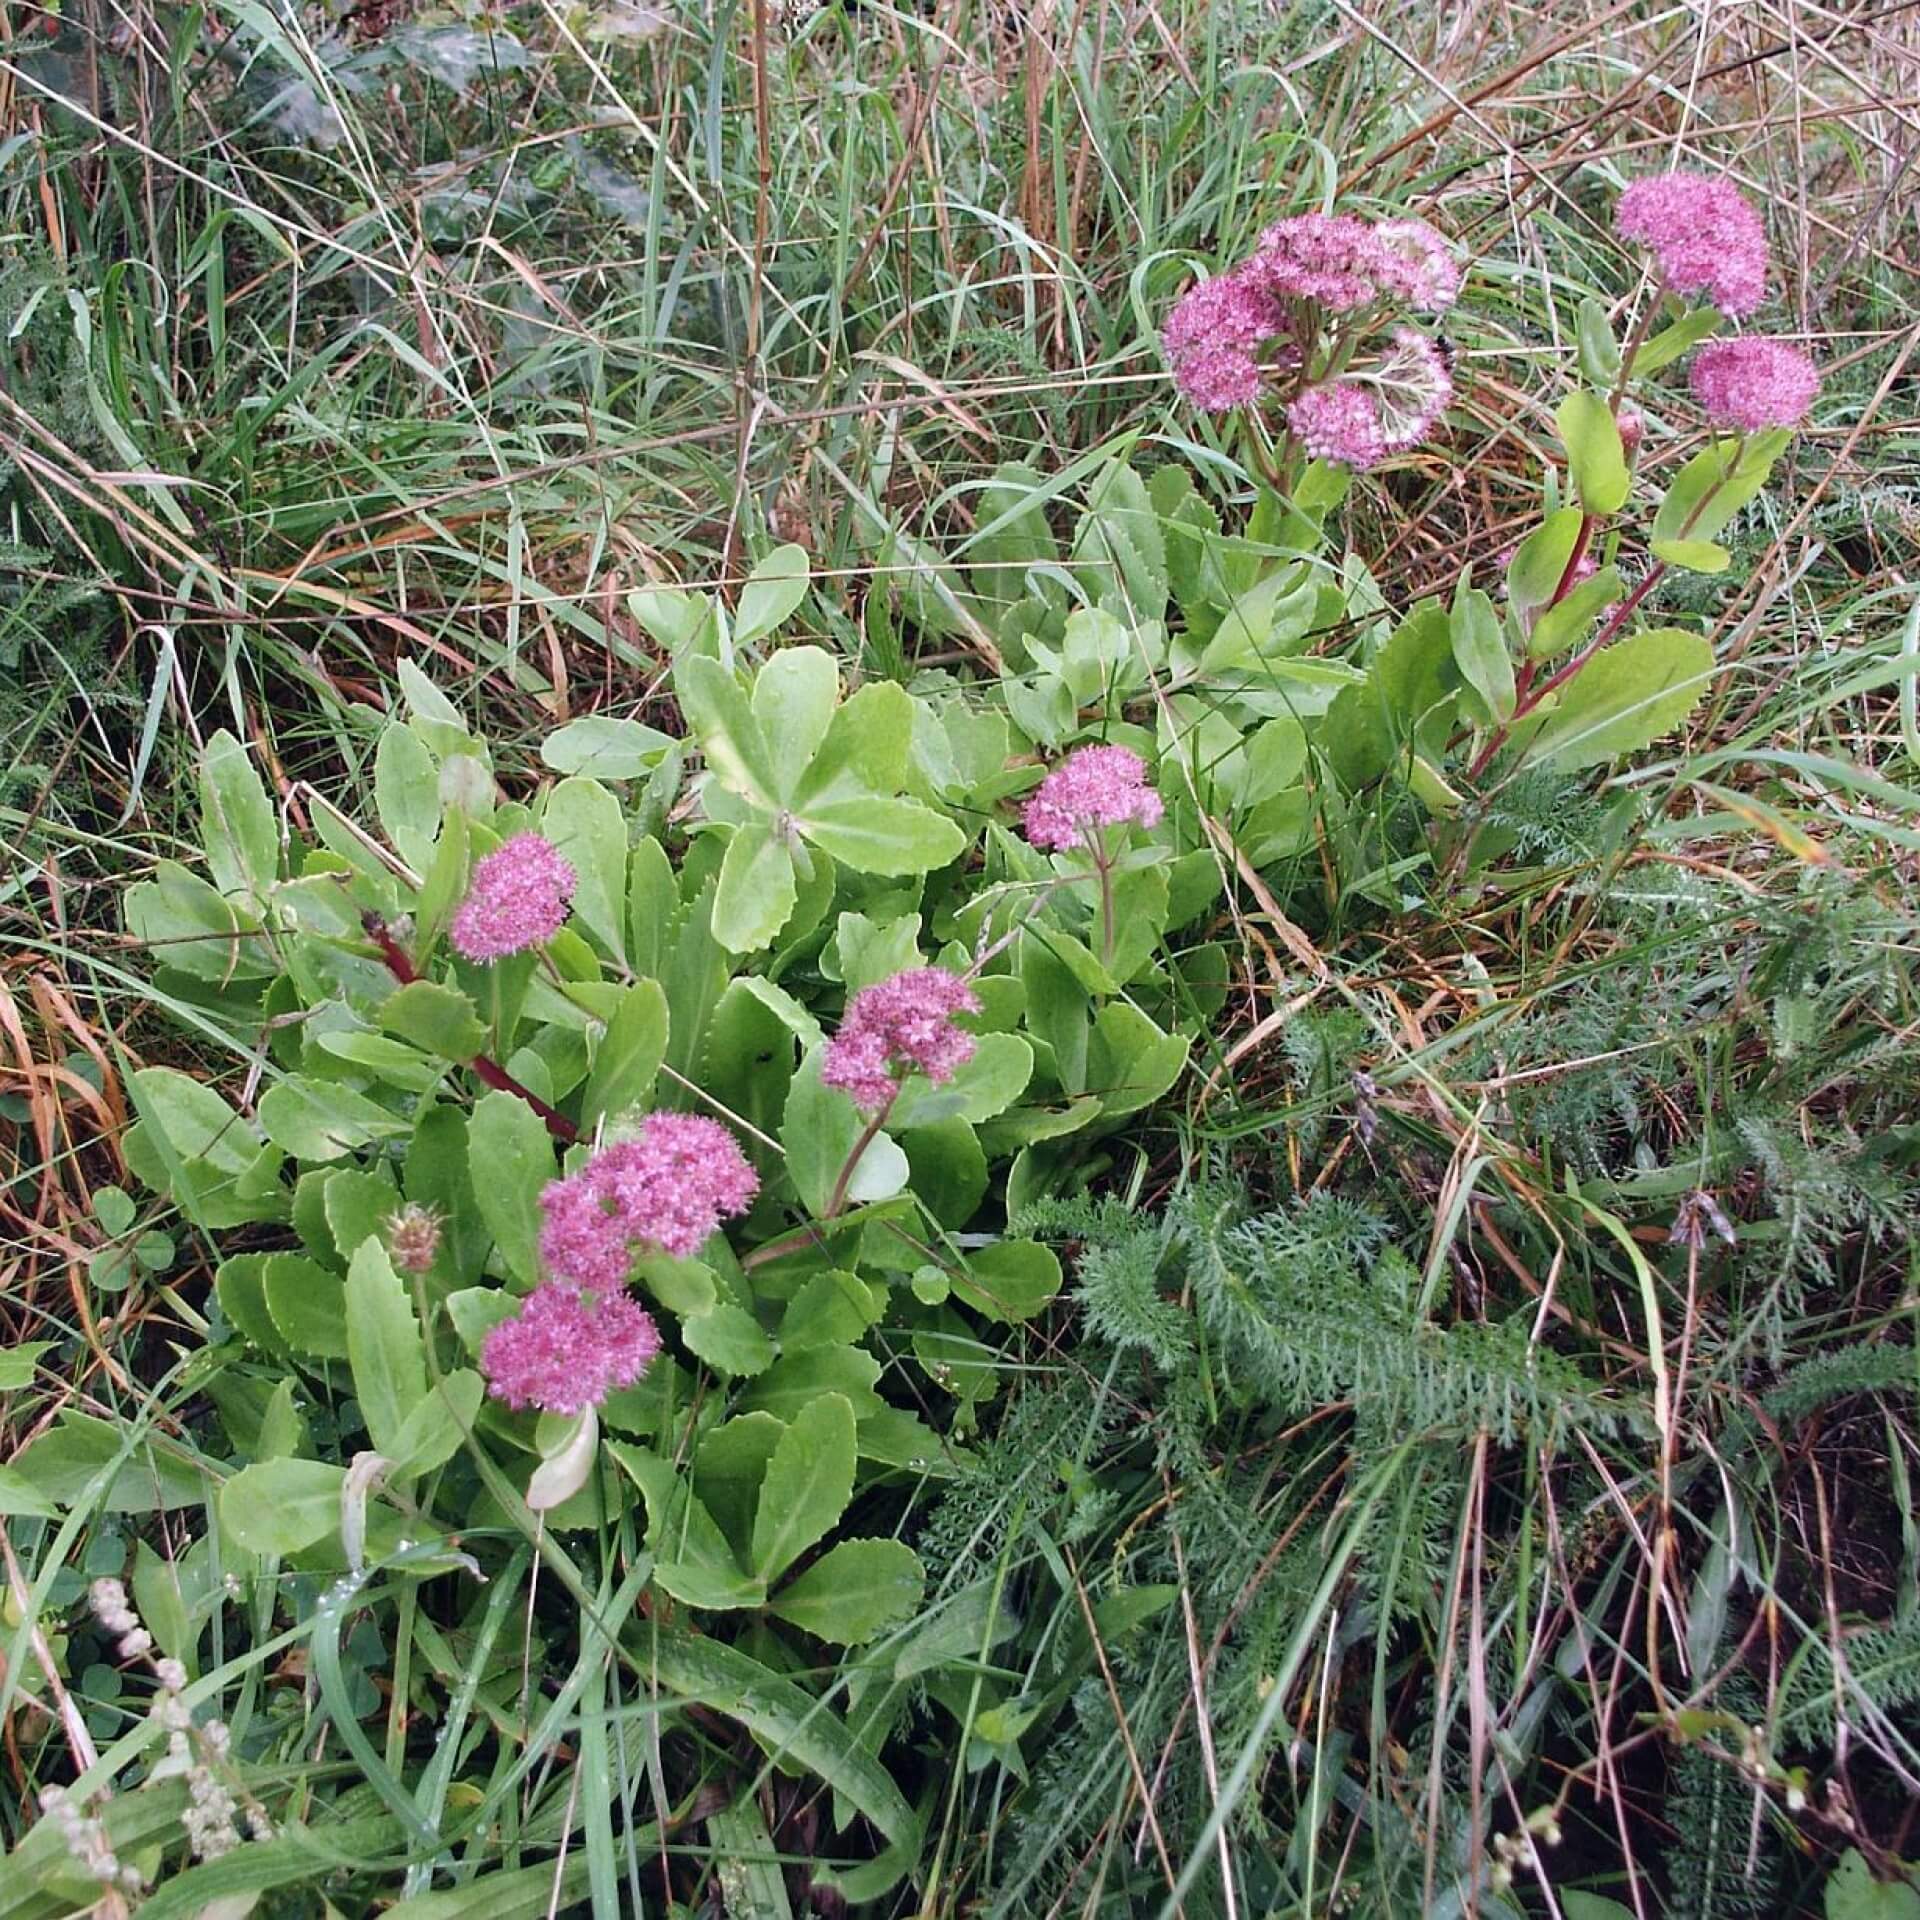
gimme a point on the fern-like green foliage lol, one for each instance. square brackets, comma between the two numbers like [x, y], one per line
[1881, 1677]
[1302, 1306]
[1307, 1308]
[1724, 1864]
[1543, 816]
[1863, 1367]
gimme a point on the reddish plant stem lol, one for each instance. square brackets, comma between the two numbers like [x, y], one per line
[1532, 698]
[1581, 542]
[483, 1067]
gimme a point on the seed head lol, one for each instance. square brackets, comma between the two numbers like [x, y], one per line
[413, 1238]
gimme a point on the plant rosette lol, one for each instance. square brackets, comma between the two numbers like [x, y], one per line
[589, 1170]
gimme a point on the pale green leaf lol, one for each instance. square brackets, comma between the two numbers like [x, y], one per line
[757, 891]
[237, 822]
[583, 820]
[873, 834]
[1595, 457]
[808, 1484]
[322, 1120]
[774, 588]
[383, 1347]
[628, 1054]
[278, 1507]
[510, 1156]
[1624, 699]
[441, 1019]
[604, 748]
[854, 1591]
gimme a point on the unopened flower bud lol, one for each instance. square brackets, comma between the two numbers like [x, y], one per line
[413, 1238]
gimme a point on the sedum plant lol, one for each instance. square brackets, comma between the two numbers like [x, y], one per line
[1281, 693]
[631, 1161]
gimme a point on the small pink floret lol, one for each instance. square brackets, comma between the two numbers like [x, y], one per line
[1341, 423]
[516, 899]
[1750, 384]
[1092, 788]
[669, 1187]
[900, 1026]
[565, 1350]
[1704, 235]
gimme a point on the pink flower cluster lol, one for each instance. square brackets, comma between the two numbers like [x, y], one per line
[900, 1026]
[1703, 235]
[1214, 334]
[1377, 407]
[1338, 422]
[1749, 385]
[1217, 333]
[1341, 262]
[517, 898]
[566, 1350]
[1091, 788]
[669, 1187]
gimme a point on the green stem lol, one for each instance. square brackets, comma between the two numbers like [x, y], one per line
[1104, 867]
[1635, 341]
[838, 1198]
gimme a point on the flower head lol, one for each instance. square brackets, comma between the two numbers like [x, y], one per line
[1633, 428]
[1704, 235]
[517, 898]
[1213, 333]
[1750, 384]
[1331, 258]
[903, 1025]
[1417, 264]
[669, 1187]
[1339, 422]
[1091, 788]
[565, 1350]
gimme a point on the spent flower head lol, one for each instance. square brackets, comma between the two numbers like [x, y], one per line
[1750, 385]
[517, 898]
[1412, 386]
[1704, 235]
[668, 1187]
[1091, 788]
[567, 1349]
[413, 1237]
[1417, 264]
[900, 1026]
